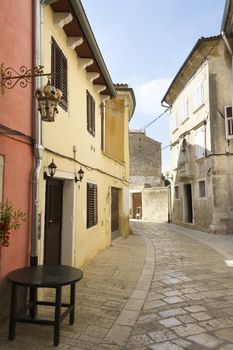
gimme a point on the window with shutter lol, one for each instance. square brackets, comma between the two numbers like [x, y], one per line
[198, 95]
[59, 71]
[90, 114]
[199, 137]
[228, 122]
[92, 205]
[184, 109]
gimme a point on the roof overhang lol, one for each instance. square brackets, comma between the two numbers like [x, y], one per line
[197, 56]
[79, 27]
[227, 20]
[123, 89]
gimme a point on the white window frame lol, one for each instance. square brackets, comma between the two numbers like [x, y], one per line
[200, 142]
[228, 122]
[184, 109]
[198, 95]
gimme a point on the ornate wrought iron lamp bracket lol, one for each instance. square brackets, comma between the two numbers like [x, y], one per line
[10, 77]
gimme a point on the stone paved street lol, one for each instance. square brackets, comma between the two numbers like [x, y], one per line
[159, 289]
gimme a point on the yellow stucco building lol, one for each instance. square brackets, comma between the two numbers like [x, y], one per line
[80, 218]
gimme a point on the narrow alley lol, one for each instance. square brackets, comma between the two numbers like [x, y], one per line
[158, 289]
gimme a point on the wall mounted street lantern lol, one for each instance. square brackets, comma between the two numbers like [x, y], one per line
[80, 175]
[52, 170]
[48, 96]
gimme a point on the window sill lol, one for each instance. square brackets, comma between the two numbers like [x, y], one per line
[91, 227]
[91, 133]
[173, 131]
[199, 107]
[184, 121]
[201, 158]
[121, 162]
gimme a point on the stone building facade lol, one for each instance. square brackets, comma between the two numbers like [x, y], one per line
[145, 160]
[201, 138]
[145, 175]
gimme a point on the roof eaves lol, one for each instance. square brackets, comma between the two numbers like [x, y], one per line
[225, 15]
[199, 41]
[83, 20]
[124, 87]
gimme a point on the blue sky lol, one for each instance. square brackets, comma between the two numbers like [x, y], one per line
[144, 43]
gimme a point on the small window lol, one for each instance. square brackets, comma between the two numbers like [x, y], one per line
[228, 122]
[184, 109]
[202, 189]
[147, 185]
[199, 138]
[92, 205]
[90, 114]
[198, 95]
[176, 194]
[59, 73]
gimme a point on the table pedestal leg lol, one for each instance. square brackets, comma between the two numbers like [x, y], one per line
[72, 302]
[11, 334]
[33, 299]
[56, 337]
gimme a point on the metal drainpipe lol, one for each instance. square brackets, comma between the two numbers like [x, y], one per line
[231, 53]
[38, 147]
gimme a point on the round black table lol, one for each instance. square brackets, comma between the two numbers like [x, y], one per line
[43, 277]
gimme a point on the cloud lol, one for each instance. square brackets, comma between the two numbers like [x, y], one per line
[149, 95]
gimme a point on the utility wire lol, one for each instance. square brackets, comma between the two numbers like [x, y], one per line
[166, 147]
[154, 120]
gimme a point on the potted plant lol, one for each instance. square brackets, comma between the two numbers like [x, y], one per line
[10, 219]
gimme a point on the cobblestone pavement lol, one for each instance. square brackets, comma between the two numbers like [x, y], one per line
[159, 289]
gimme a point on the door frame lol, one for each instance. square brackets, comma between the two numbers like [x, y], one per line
[185, 209]
[115, 234]
[68, 249]
[59, 235]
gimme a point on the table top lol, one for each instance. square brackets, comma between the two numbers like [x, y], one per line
[45, 276]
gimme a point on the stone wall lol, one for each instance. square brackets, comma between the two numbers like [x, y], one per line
[155, 204]
[145, 160]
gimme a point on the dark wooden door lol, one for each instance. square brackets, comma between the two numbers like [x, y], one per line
[137, 203]
[188, 203]
[53, 222]
[115, 213]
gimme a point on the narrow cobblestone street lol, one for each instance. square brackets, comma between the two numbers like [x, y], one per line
[159, 289]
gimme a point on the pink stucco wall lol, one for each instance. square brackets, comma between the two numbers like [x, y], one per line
[16, 113]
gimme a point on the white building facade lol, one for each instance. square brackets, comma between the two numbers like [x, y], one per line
[201, 139]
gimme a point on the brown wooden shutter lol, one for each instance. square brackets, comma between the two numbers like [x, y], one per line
[90, 113]
[92, 205]
[95, 205]
[59, 70]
